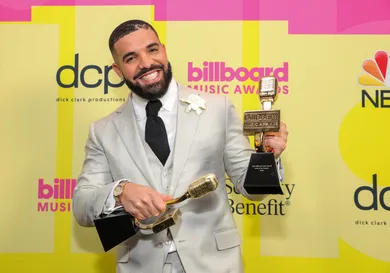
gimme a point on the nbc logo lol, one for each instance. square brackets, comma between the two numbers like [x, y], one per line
[376, 74]
[376, 70]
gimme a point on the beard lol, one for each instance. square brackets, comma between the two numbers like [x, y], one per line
[152, 91]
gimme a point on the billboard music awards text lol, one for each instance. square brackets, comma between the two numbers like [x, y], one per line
[216, 78]
[49, 194]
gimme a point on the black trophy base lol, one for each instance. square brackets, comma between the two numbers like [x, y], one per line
[262, 175]
[115, 228]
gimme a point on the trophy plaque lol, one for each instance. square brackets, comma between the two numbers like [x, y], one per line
[118, 226]
[262, 175]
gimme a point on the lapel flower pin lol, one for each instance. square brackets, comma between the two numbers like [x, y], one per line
[196, 103]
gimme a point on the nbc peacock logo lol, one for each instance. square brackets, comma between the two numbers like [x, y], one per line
[376, 70]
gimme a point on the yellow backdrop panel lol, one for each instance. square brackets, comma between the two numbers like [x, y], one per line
[57, 79]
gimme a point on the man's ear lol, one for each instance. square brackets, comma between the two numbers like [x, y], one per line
[117, 70]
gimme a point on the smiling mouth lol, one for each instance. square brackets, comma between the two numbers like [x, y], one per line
[149, 76]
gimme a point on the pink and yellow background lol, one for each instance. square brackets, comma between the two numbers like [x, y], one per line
[335, 145]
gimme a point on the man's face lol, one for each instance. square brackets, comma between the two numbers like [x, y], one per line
[141, 60]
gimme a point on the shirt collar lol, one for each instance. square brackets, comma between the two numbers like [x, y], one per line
[168, 100]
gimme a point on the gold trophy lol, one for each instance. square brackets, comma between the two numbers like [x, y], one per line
[196, 190]
[262, 175]
[120, 225]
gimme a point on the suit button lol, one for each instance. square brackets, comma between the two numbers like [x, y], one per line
[168, 242]
[160, 245]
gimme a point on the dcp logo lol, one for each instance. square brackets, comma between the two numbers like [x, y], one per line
[96, 75]
[373, 205]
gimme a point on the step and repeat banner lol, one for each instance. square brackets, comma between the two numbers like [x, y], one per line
[331, 60]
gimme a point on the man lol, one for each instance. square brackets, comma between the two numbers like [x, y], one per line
[150, 149]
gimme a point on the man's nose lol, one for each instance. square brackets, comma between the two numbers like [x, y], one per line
[145, 62]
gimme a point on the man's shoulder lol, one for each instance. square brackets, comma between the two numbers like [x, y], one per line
[108, 118]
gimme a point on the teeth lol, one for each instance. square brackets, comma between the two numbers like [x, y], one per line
[150, 76]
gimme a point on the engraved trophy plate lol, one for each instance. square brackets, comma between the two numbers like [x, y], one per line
[261, 121]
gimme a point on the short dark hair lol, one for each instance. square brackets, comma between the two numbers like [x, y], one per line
[126, 28]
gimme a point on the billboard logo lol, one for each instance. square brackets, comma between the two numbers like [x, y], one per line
[217, 77]
[56, 196]
[219, 71]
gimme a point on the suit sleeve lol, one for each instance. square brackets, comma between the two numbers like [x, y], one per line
[91, 196]
[238, 151]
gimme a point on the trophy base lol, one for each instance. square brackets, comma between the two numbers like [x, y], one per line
[115, 228]
[120, 225]
[262, 175]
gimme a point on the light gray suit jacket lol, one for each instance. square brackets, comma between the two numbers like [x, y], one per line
[206, 238]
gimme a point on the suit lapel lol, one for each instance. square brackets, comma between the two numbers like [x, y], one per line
[128, 131]
[187, 124]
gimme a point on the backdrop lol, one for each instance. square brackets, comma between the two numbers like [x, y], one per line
[331, 58]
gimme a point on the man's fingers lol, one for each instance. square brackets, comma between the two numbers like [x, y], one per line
[143, 206]
[136, 213]
[276, 143]
[139, 216]
[152, 206]
[158, 203]
[144, 202]
[166, 197]
[270, 135]
[282, 131]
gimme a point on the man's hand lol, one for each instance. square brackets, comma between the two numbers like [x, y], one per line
[142, 202]
[277, 140]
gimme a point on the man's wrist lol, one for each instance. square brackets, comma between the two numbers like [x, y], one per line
[118, 191]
